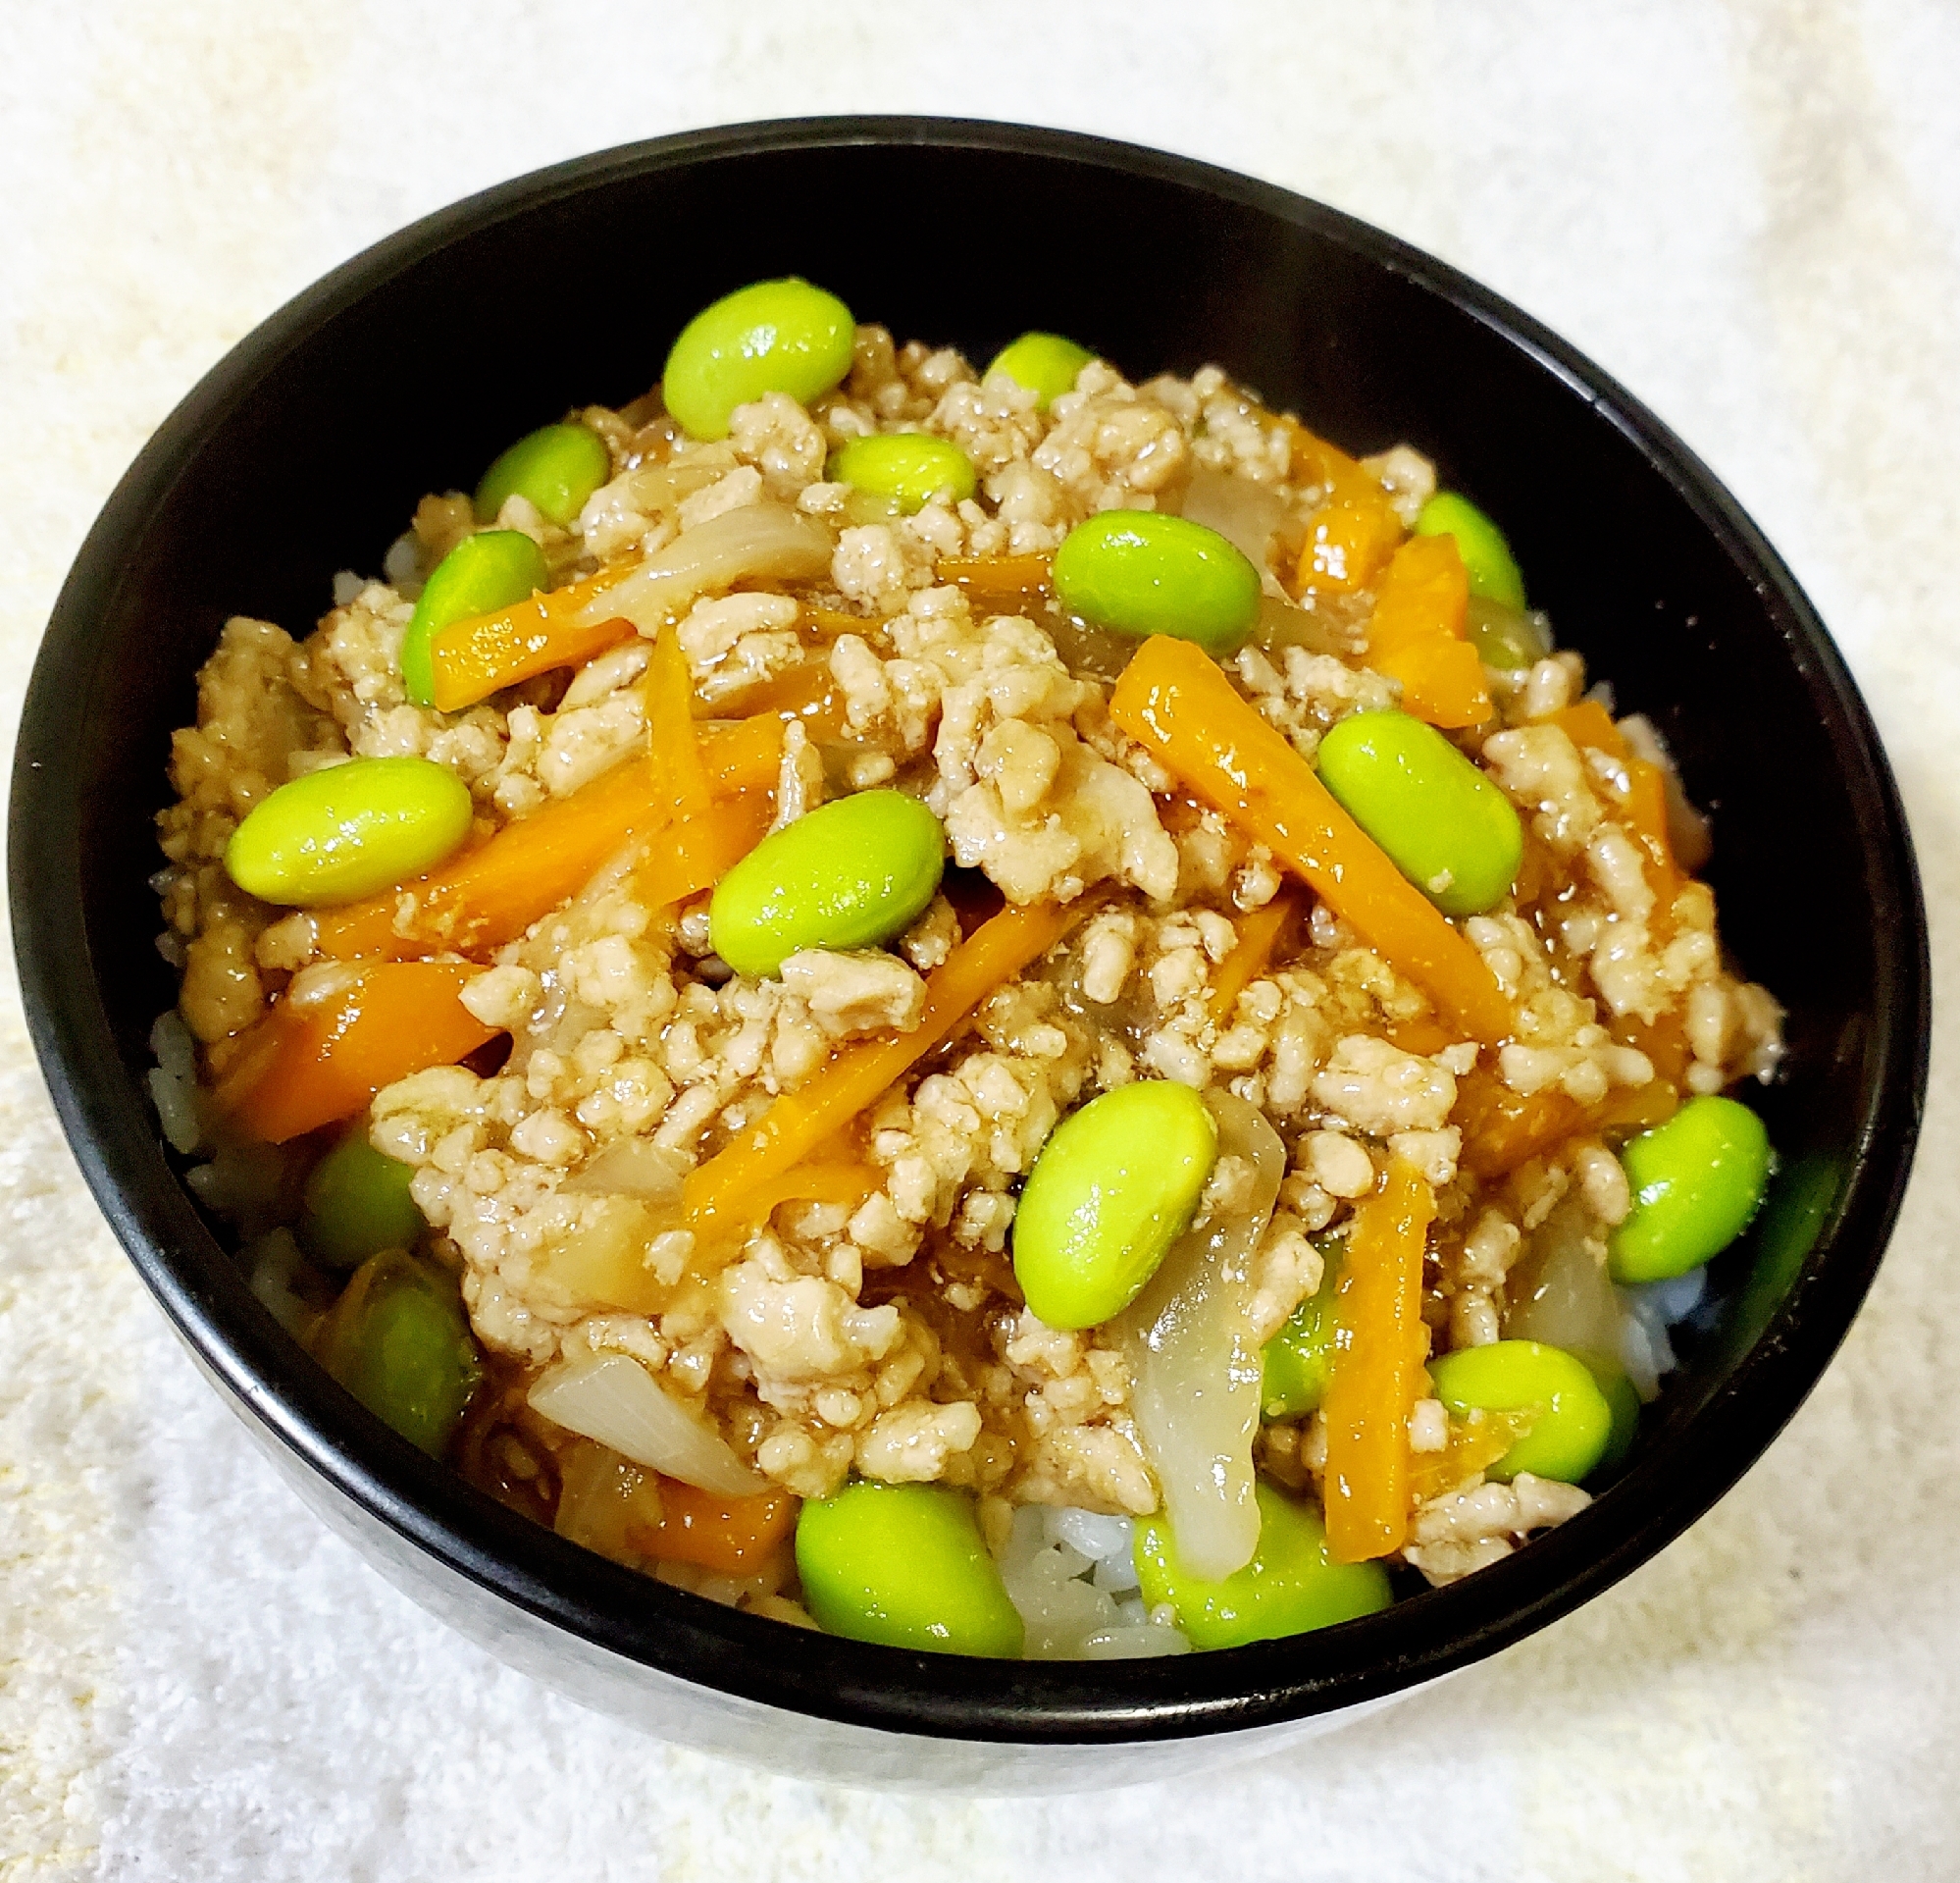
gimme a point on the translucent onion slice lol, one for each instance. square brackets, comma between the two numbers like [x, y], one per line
[633, 1167]
[613, 1398]
[1245, 514]
[760, 542]
[1559, 1291]
[1194, 1366]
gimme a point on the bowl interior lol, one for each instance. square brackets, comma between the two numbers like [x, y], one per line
[405, 371]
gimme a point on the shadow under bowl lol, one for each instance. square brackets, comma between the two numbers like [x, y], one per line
[407, 369]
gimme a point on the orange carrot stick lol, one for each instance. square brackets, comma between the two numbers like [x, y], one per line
[1379, 1347]
[806, 693]
[728, 1535]
[1425, 595]
[473, 658]
[325, 1054]
[1418, 634]
[693, 853]
[493, 893]
[1355, 530]
[1503, 1129]
[1175, 700]
[670, 725]
[1442, 682]
[1642, 803]
[1260, 937]
[1588, 724]
[715, 1194]
[997, 581]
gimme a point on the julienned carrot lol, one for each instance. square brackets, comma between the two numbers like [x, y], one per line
[473, 658]
[717, 1195]
[1259, 936]
[1379, 1347]
[1642, 801]
[1665, 1041]
[1644, 806]
[728, 1535]
[1355, 530]
[997, 581]
[671, 739]
[834, 1173]
[1480, 1440]
[806, 693]
[1175, 700]
[1588, 724]
[693, 853]
[493, 893]
[325, 1054]
[1503, 1128]
[1417, 636]
[1442, 682]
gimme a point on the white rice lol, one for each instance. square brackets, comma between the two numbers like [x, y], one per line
[1072, 1575]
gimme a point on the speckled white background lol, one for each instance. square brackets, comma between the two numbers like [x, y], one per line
[1747, 211]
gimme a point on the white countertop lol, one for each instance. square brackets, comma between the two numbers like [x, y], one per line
[1747, 212]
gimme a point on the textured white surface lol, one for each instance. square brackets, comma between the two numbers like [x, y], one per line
[1749, 212]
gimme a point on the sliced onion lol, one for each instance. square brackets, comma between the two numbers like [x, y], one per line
[613, 1398]
[633, 1166]
[1559, 1291]
[1194, 1366]
[758, 542]
[1245, 514]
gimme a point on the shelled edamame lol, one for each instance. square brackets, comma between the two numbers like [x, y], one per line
[1046, 364]
[554, 468]
[1445, 825]
[772, 336]
[1114, 1187]
[1570, 1421]
[343, 832]
[1696, 1181]
[910, 469]
[856, 873]
[359, 1202]
[1141, 572]
[400, 1343]
[904, 1565]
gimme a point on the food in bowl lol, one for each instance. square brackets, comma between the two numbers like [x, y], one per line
[1003, 1013]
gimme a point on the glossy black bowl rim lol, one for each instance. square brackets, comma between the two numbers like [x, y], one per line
[106, 1116]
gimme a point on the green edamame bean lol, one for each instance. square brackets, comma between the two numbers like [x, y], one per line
[1141, 572]
[851, 874]
[771, 336]
[1294, 1363]
[1444, 825]
[1623, 1401]
[1114, 1187]
[400, 1342]
[358, 1204]
[905, 1566]
[1696, 1181]
[910, 468]
[1045, 363]
[1505, 637]
[1573, 1421]
[555, 468]
[492, 570]
[341, 833]
[1290, 1585]
[1487, 559]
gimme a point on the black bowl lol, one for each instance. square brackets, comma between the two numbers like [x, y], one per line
[407, 369]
